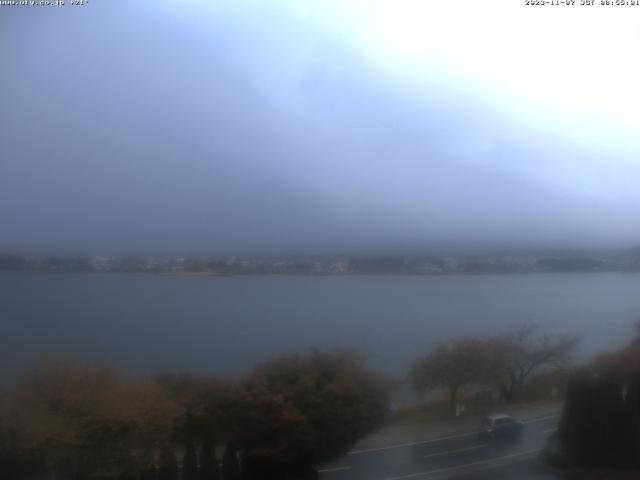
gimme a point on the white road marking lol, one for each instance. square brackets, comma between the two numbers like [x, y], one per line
[540, 419]
[334, 469]
[448, 452]
[497, 460]
[450, 437]
[401, 445]
[549, 430]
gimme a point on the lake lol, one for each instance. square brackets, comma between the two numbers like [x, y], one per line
[223, 325]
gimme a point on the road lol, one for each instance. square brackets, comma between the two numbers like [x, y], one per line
[461, 456]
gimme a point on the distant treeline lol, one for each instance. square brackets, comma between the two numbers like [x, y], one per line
[315, 265]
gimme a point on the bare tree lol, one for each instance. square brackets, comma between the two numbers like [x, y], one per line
[525, 350]
[453, 366]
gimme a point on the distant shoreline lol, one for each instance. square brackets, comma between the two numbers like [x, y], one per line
[322, 274]
[323, 266]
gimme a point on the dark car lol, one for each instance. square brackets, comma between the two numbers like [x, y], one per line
[500, 426]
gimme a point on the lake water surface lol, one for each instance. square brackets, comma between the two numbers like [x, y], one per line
[223, 325]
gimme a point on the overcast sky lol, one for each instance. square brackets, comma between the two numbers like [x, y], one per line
[245, 126]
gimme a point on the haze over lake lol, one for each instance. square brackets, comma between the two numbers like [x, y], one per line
[147, 323]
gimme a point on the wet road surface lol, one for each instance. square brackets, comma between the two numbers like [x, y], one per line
[463, 456]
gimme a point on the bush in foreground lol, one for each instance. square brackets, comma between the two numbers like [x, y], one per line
[600, 425]
[298, 411]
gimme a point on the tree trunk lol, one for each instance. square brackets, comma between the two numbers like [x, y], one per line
[507, 393]
[453, 401]
[230, 464]
[51, 469]
[510, 390]
[189, 462]
[209, 469]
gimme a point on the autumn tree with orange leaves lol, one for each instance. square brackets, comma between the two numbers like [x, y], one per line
[285, 417]
[298, 411]
[453, 366]
[88, 421]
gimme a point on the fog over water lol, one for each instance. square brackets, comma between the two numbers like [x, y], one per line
[253, 127]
